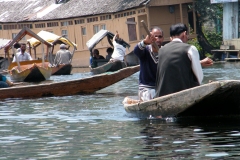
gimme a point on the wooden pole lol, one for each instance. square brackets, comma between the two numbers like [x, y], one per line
[42, 55]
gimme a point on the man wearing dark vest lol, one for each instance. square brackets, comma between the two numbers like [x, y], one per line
[179, 67]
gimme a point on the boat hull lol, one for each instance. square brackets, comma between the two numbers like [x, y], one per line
[108, 67]
[71, 87]
[31, 71]
[62, 69]
[221, 98]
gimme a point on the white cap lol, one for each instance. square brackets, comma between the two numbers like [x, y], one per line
[63, 46]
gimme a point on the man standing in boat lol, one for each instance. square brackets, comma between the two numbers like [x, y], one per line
[22, 55]
[179, 67]
[148, 56]
[63, 56]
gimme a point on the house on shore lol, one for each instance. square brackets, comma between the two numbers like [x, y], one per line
[79, 20]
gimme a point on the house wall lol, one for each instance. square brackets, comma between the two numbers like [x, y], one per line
[120, 21]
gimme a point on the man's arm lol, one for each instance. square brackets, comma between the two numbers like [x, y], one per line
[196, 66]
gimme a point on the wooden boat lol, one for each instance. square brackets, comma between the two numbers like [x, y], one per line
[220, 98]
[108, 67]
[103, 65]
[70, 87]
[61, 69]
[29, 71]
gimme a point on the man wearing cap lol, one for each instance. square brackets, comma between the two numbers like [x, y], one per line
[179, 67]
[63, 56]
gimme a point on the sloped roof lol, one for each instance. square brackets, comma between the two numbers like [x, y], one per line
[38, 10]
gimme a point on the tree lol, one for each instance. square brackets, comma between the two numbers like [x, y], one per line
[205, 11]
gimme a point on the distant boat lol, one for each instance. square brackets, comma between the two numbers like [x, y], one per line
[103, 65]
[31, 70]
[220, 98]
[61, 69]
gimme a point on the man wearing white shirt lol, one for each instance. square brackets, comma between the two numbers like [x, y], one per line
[179, 67]
[22, 55]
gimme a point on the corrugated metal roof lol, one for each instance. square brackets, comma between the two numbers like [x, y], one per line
[37, 10]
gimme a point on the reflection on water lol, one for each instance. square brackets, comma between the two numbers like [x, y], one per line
[96, 126]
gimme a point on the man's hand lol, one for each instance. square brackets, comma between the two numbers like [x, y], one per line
[149, 39]
[206, 62]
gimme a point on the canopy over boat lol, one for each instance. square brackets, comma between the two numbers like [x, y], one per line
[4, 42]
[51, 38]
[99, 36]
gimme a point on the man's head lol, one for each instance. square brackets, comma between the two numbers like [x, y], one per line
[95, 52]
[23, 47]
[63, 46]
[158, 34]
[109, 50]
[179, 31]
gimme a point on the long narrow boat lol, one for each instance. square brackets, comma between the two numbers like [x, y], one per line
[70, 87]
[220, 98]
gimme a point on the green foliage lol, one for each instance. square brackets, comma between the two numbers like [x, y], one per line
[207, 11]
[215, 39]
[195, 43]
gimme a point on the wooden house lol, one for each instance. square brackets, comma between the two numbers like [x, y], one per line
[80, 20]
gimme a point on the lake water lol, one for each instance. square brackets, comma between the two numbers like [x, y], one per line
[96, 126]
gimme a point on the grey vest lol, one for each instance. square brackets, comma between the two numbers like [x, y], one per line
[174, 72]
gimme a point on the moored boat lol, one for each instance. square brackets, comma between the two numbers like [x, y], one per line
[220, 98]
[70, 87]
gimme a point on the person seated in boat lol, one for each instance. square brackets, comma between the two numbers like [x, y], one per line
[109, 53]
[95, 57]
[63, 56]
[22, 55]
[178, 67]
[119, 48]
[4, 82]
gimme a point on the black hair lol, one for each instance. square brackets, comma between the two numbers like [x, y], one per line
[109, 49]
[96, 51]
[177, 29]
[120, 41]
[17, 45]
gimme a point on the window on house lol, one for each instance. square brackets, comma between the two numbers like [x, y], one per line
[52, 24]
[84, 32]
[79, 21]
[65, 33]
[132, 34]
[66, 23]
[14, 35]
[103, 26]
[0, 27]
[40, 25]
[20, 26]
[95, 29]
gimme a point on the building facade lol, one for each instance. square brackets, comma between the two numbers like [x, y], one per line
[80, 20]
